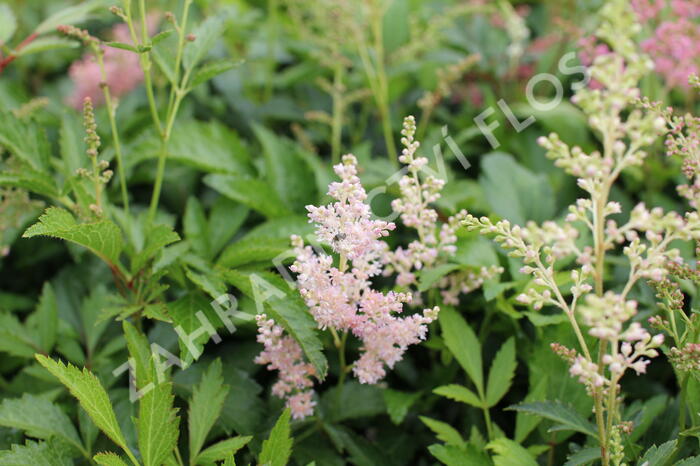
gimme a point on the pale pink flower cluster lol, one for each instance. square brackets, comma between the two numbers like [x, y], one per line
[122, 69]
[675, 44]
[675, 49]
[434, 242]
[340, 297]
[283, 353]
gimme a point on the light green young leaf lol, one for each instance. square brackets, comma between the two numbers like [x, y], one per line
[501, 373]
[444, 431]
[205, 406]
[33, 453]
[658, 456]
[70, 15]
[39, 418]
[459, 393]
[564, 415]
[277, 449]
[92, 396]
[509, 453]
[222, 450]
[287, 308]
[8, 23]
[47, 318]
[157, 424]
[462, 342]
[109, 459]
[103, 237]
[250, 192]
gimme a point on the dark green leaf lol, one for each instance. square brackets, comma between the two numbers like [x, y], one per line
[563, 415]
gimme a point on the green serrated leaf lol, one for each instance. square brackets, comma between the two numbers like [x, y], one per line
[225, 219]
[501, 373]
[103, 237]
[462, 342]
[288, 174]
[92, 396]
[205, 406]
[26, 141]
[206, 34]
[222, 450]
[109, 459]
[509, 453]
[564, 415]
[158, 424]
[39, 418]
[211, 147]
[277, 449]
[456, 456]
[444, 431]
[210, 70]
[250, 192]
[196, 227]
[658, 456]
[42, 453]
[428, 277]
[459, 393]
[15, 339]
[252, 250]
[31, 180]
[8, 23]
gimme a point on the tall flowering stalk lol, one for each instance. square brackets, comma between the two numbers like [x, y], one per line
[682, 141]
[645, 239]
[435, 242]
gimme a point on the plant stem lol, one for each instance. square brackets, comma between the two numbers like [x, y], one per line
[487, 420]
[177, 93]
[383, 87]
[111, 112]
[338, 104]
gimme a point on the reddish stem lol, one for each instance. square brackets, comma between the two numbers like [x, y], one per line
[11, 57]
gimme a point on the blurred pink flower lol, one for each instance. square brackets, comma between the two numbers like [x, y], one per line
[647, 9]
[675, 49]
[122, 69]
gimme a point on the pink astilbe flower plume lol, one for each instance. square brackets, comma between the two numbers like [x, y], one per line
[340, 296]
[283, 353]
